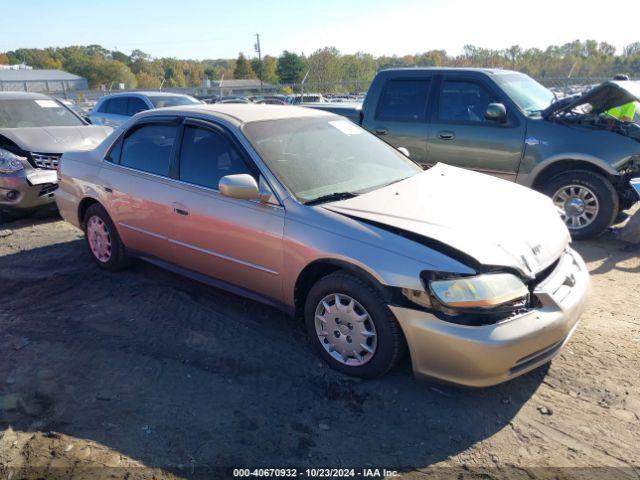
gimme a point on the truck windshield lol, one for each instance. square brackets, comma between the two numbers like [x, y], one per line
[318, 157]
[38, 112]
[528, 94]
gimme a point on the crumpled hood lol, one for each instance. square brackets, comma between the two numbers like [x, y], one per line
[601, 98]
[56, 139]
[496, 222]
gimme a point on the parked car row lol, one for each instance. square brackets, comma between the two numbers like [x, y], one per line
[506, 124]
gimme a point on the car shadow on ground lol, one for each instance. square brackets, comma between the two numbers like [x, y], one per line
[612, 255]
[179, 375]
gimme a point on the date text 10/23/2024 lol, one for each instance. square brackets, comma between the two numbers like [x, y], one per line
[315, 473]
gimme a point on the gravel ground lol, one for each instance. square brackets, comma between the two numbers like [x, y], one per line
[145, 374]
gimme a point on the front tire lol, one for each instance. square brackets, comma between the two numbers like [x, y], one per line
[588, 199]
[102, 239]
[352, 328]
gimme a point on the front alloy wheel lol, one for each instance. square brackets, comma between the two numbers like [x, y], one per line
[588, 200]
[579, 204]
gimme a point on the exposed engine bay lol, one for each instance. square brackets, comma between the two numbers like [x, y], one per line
[600, 122]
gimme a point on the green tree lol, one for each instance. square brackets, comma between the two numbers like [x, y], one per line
[270, 69]
[290, 68]
[243, 68]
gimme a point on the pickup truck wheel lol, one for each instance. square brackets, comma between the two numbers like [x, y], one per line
[589, 202]
[352, 328]
[103, 241]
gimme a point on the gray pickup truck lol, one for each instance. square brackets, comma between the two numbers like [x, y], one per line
[504, 123]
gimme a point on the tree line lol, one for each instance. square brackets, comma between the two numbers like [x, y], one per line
[325, 66]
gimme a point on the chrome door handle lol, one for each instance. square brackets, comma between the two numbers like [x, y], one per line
[381, 131]
[446, 135]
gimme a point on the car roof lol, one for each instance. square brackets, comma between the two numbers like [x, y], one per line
[490, 71]
[145, 94]
[239, 113]
[23, 95]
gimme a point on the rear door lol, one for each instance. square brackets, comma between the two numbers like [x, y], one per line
[136, 182]
[400, 116]
[461, 136]
[237, 241]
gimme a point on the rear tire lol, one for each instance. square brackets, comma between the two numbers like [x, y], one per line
[589, 200]
[102, 239]
[359, 337]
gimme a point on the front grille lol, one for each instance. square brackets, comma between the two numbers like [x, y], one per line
[48, 161]
[47, 189]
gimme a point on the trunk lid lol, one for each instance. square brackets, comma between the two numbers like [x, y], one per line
[496, 222]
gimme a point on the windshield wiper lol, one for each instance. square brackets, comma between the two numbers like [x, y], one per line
[331, 197]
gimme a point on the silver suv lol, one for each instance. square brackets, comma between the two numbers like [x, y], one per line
[35, 130]
[115, 109]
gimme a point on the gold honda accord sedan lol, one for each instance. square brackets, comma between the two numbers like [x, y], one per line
[306, 211]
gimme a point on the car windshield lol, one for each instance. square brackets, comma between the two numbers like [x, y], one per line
[38, 112]
[528, 94]
[317, 157]
[161, 101]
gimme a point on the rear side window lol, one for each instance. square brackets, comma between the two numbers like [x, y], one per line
[404, 101]
[136, 105]
[464, 101]
[118, 105]
[148, 148]
[104, 106]
[206, 157]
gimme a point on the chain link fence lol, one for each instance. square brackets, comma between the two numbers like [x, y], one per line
[352, 90]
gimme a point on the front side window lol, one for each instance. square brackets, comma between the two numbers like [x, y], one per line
[404, 101]
[206, 157]
[318, 156]
[148, 148]
[464, 101]
[45, 112]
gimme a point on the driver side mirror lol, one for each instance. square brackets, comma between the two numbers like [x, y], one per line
[496, 112]
[242, 186]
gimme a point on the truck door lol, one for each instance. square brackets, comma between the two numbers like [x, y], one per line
[400, 116]
[460, 134]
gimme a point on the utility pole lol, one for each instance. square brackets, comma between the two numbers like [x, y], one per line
[257, 47]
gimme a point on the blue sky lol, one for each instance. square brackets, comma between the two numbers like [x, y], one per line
[213, 29]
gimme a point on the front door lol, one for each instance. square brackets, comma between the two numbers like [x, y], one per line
[236, 241]
[461, 136]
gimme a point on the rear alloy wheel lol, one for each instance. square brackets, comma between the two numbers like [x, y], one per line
[103, 240]
[352, 327]
[588, 201]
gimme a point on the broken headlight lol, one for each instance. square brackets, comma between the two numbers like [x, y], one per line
[10, 162]
[484, 292]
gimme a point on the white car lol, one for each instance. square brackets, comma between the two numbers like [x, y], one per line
[115, 109]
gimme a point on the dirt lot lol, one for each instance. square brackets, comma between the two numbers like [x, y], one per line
[104, 374]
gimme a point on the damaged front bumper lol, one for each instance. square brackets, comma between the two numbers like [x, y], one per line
[27, 189]
[481, 356]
